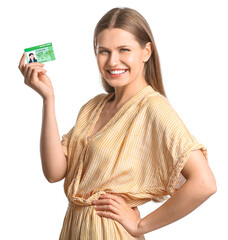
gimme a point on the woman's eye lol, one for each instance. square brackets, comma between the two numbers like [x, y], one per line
[124, 49]
[103, 51]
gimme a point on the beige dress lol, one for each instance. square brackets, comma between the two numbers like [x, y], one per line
[138, 155]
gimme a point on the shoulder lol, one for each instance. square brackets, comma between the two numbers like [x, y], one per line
[159, 105]
[161, 112]
[99, 97]
[92, 102]
[96, 99]
[166, 119]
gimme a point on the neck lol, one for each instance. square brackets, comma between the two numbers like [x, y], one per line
[123, 94]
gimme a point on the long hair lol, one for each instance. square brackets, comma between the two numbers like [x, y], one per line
[132, 21]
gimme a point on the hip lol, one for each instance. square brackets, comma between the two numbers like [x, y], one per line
[82, 222]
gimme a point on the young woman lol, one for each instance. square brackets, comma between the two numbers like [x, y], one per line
[127, 147]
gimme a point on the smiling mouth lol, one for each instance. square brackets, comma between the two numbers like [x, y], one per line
[117, 73]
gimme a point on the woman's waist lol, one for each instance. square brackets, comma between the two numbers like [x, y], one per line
[78, 205]
[78, 218]
[86, 200]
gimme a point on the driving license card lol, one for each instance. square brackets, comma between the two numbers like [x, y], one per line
[41, 53]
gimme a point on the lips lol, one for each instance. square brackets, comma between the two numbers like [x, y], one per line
[116, 72]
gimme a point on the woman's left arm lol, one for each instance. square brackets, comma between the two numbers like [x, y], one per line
[199, 186]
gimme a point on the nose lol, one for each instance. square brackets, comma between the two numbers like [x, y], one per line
[114, 59]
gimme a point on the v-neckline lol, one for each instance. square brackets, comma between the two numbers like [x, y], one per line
[98, 111]
[97, 116]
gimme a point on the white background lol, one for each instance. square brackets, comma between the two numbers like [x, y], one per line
[191, 38]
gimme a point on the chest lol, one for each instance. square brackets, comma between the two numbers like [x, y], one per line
[104, 117]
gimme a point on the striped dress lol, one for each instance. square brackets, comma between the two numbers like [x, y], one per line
[138, 155]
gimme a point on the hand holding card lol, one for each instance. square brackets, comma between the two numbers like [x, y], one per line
[36, 78]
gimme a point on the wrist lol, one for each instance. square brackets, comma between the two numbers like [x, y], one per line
[49, 100]
[140, 230]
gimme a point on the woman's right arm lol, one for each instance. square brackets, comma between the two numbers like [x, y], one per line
[54, 162]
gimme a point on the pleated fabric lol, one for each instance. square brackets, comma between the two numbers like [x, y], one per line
[138, 155]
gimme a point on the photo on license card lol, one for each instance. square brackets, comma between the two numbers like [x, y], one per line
[41, 53]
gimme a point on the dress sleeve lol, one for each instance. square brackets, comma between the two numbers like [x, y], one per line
[174, 144]
[66, 140]
[67, 137]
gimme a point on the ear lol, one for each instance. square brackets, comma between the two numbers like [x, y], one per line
[147, 51]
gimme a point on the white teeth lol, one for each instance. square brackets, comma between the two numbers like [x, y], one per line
[117, 72]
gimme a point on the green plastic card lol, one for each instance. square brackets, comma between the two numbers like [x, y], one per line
[41, 53]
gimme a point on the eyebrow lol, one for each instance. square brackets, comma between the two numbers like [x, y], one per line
[117, 47]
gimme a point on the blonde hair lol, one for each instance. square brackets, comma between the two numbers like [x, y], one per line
[132, 21]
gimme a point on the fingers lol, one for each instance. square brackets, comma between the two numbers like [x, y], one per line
[110, 198]
[107, 202]
[29, 70]
[29, 66]
[110, 208]
[32, 73]
[114, 197]
[21, 63]
[108, 214]
[24, 67]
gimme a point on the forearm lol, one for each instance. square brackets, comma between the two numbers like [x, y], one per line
[52, 156]
[182, 202]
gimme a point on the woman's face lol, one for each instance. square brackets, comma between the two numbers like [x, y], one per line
[120, 58]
